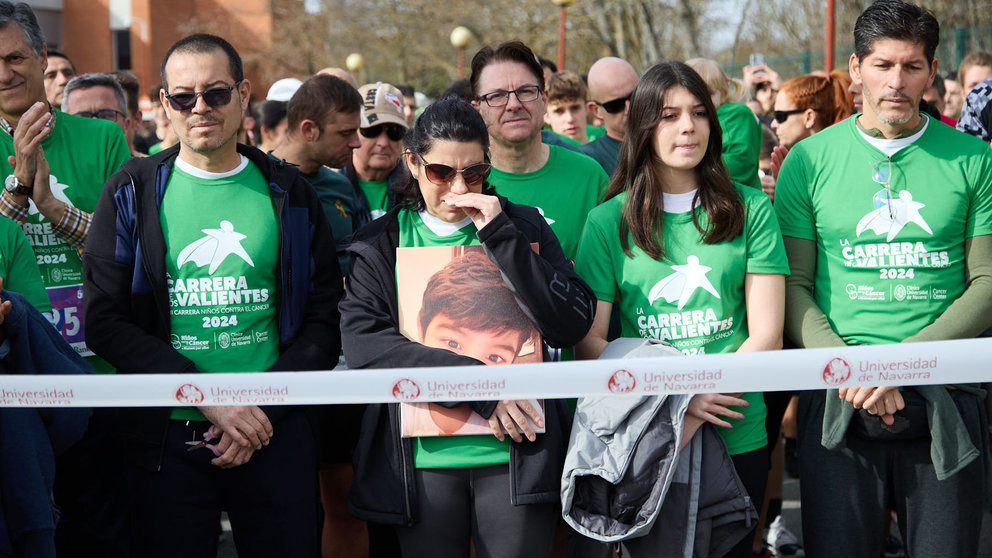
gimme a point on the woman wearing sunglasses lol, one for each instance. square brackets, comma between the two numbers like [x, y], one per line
[687, 256]
[807, 104]
[442, 494]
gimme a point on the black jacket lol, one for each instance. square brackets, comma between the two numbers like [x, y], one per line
[126, 296]
[559, 303]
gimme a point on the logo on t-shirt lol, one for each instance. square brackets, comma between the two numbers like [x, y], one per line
[58, 192]
[681, 284]
[547, 219]
[892, 214]
[214, 248]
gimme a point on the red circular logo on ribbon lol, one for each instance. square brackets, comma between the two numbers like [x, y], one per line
[406, 390]
[189, 394]
[836, 372]
[621, 381]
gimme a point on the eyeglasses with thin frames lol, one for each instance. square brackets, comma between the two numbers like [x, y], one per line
[525, 94]
[215, 97]
[102, 114]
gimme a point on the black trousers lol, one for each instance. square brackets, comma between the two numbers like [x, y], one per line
[271, 501]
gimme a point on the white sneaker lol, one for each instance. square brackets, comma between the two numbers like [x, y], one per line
[781, 541]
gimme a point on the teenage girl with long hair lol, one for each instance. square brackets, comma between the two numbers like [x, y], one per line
[687, 256]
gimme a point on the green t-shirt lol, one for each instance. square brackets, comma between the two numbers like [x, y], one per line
[594, 132]
[605, 151]
[879, 277]
[447, 452]
[377, 194]
[82, 153]
[694, 298]
[221, 270]
[741, 142]
[155, 148]
[19, 266]
[563, 190]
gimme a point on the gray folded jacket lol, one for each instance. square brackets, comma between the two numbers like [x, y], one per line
[627, 480]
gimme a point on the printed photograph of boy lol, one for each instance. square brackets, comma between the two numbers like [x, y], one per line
[465, 307]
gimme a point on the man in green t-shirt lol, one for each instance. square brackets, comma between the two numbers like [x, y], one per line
[60, 163]
[375, 171]
[323, 116]
[508, 85]
[611, 82]
[887, 219]
[212, 257]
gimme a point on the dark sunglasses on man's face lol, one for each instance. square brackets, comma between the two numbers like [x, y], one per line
[394, 131]
[215, 97]
[615, 106]
[443, 174]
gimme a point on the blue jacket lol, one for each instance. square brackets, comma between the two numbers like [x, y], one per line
[30, 438]
[126, 296]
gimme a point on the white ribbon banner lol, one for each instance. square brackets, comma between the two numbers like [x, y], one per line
[943, 362]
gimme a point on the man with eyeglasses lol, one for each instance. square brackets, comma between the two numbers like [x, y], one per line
[887, 221]
[611, 82]
[508, 86]
[97, 96]
[375, 171]
[212, 257]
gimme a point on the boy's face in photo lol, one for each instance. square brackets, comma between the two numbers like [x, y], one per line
[487, 346]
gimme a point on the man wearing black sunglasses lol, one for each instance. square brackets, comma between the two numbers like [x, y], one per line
[212, 257]
[375, 170]
[611, 81]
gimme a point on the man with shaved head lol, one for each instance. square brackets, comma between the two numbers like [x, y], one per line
[340, 74]
[611, 82]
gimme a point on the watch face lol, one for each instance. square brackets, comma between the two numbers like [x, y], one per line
[15, 186]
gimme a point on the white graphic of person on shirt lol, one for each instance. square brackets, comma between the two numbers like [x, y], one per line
[214, 248]
[681, 284]
[890, 218]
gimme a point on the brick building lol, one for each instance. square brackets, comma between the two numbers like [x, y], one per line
[107, 35]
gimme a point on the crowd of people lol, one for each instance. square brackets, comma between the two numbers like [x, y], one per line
[713, 213]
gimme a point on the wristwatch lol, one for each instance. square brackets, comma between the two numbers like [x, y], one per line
[14, 185]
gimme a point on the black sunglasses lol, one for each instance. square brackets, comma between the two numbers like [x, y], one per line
[215, 97]
[394, 131]
[102, 114]
[615, 106]
[782, 115]
[443, 174]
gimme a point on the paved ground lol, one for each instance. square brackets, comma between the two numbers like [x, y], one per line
[790, 510]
